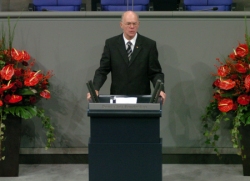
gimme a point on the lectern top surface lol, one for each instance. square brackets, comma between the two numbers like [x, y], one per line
[138, 106]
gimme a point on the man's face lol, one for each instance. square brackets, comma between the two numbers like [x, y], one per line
[129, 24]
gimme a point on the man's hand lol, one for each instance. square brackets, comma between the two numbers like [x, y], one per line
[163, 96]
[89, 96]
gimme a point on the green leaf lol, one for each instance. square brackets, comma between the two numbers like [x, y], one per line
[235, 145]
[247, 114]
[206, 133]
[25, 112]
[248, 120]
[26, 91]
[2, 63]
[205, 125]
[208, 142]
[216, 137]
[227, 94]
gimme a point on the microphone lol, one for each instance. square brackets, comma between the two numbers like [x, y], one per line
[156, 92]
[92, 92]
[210, 9]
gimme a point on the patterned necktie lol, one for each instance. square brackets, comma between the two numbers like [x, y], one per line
[129, 49]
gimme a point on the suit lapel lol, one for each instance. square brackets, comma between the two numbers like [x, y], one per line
[137, 49]
[122, 48]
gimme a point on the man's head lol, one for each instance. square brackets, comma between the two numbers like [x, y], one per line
[130, 24]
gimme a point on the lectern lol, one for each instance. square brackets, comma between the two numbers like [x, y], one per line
[125, 143]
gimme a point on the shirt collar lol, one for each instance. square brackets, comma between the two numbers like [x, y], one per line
[133, 40]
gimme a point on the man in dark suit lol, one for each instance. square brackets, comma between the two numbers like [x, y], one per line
[132, 66]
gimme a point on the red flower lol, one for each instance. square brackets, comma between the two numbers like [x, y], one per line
[7, 72]
[36, 74]
[6, 87]
[216, 83]
[18, 72]
[16, 54]
[19, 84]
[241, 50]
[241, 67]
[243, 99]
[225, 105]
[217, 96]
[15, 98]
[247, 82]
[31, 81]
[227, 84]
[33, 78]
[1, 103]
[26, 56]
[235, 106]
[223, 70]
[19, 55]
[234, 76]
[14, 88]
[44, 85]
[6, 98]
[232, 55]
[45, 94]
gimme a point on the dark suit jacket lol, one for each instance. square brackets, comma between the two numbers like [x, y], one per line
[129, 77]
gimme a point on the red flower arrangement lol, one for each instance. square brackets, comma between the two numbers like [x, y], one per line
[233, 82]
[19, 84]
[21, 88]
[231, 96]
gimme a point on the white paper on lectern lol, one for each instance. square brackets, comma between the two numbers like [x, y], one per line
[126, 100]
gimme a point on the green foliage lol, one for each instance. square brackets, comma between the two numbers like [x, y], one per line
[47, 125]
[212, 122]
[2, 63]
[25, 112]
[26, 91]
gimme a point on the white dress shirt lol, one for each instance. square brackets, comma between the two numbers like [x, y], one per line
[132, 41]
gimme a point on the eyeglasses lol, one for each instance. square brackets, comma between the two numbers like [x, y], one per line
[130, 24]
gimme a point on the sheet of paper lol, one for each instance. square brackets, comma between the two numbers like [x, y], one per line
[126, 100]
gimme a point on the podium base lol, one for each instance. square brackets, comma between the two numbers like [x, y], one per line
[123, 162]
